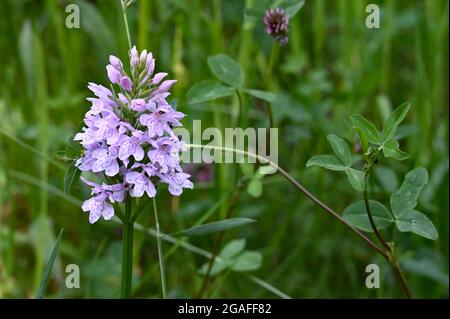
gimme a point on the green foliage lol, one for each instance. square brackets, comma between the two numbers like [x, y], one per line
[255, 185]
[233, 248]
[226, 69]
[247, 261]
[356, 215]
[393, 121]
[71, 177]
[208, 90]
[391, 149]
[259, 7]
[233, 257]
[73, 149]
[102, 271]
[355, 178]
[406, 197]
[404, 201]
[230, 73]
[372, 142]
[330, 162]
[263, 95]
[368, 130]
[341, 162]
[385, 141]
[403, 214]
[48, 268]
[416, 222]
[215, 227]
[387, 178]
[341, 149]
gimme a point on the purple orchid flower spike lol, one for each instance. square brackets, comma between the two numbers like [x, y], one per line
[128, 136]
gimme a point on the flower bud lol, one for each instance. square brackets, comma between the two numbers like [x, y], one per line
[134, 59]
[166, 85]
[276, 23]
[150, 64]
[115, 62]
[125, 83]
[158, 77]
[113, 75]
[143, 57]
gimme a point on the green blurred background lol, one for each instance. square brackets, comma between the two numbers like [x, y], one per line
[332, 67]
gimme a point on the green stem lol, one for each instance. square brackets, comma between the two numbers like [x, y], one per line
[238, 123]
[241, 108]
[369, 214]
[125, 20]
[391, 255]
[160, 251]
[400, 276]
[127, 251]
[272, 60]
[269, 78]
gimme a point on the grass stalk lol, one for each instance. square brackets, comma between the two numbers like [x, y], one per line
[41, 107]
[160, 250]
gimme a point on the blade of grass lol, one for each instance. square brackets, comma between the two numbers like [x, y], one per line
[48, 269]
[40, 100]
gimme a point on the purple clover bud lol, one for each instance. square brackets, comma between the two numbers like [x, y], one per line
[276, 23]
[125, 83]
[115, 62]
[113, 75]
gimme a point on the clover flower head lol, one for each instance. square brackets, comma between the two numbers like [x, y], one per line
[276, 23]
[128, 138]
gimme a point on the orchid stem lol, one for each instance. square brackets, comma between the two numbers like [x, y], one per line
[127, 251]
